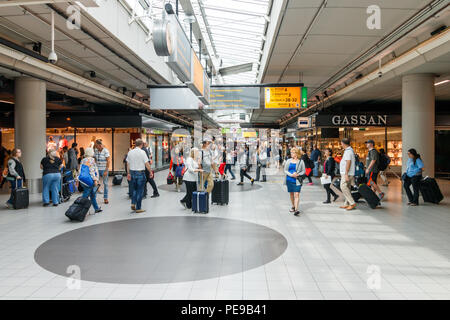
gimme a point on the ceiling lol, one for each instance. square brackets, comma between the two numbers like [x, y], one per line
[338, 36]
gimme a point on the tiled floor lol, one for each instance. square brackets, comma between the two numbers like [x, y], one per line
[331, 254]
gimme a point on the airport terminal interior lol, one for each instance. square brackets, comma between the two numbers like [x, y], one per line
[225, 150]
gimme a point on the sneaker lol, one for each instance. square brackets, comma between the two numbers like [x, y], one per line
[252, 181]
[233, 178]
[343, 207]
[155, 195]
[292, 209]
[183, 204]
[240, 184]
[310, 184]
[140, 211]
[351, 207]
[296, 213]
[55, 204]
[325, 202]
[381, 196]
[46, 204]
[133, 207]
[98, 210]
[414, 204]
[335, 198]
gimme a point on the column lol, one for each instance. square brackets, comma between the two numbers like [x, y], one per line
[418, 119]
[30, 127]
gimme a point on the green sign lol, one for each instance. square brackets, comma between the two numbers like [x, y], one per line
[304, 96]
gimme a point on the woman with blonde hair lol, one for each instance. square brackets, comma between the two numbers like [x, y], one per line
[190, 177]
[294, 169]
[51, 177]
[91, 191]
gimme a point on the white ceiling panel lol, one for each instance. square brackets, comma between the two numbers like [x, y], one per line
[319, 59]
[287, 44]
[383, 4]
[74, 49]
[296, 21]
[337, 44]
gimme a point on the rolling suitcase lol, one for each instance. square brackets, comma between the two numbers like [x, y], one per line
[220, 192]
[20, 197]
[200, 202]
[79, 209]
[371, 198]
[337, 184]
[356, 195]
[117, 180]
[430, 190]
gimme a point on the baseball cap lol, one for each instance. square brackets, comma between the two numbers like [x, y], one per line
[370, 141]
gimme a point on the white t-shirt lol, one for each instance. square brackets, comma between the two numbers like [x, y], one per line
[137, 158]
[349, 155]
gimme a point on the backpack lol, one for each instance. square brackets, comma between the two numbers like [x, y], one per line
[85, 176]
[384, 162]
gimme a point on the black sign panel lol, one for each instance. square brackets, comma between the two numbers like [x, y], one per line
[357, 120]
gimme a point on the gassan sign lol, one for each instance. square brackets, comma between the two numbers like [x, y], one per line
[354, 120]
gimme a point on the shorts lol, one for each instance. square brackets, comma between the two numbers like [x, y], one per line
[374, 176]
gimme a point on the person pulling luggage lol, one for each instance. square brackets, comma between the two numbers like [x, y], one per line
[372, 161]
[16, 175]
[190, 177]
[90, 190]
[413, 176]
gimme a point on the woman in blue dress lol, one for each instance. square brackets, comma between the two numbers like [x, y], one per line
[294, 168]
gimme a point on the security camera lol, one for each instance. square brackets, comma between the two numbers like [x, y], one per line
[380, 74]
[53, 57]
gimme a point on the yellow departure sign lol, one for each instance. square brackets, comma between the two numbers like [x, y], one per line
[282, 97]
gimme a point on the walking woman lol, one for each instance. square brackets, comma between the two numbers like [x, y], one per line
[91, 192]
[16, 174]
[190, 177]
[329, 166]
[51, 178]
[294, 168]
[308, 165]
[175, 162]
[412, 176]
[243, 165]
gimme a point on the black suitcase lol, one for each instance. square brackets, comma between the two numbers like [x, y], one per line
[220, 192]
[430, 190]
[337, 184]
[360, 180]
[21, 198]
[371, 197]
[65, 192]
[117, 180]
[79, 209]
[356, 195]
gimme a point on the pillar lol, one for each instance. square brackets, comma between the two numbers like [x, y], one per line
[30, 127]
[418, 119]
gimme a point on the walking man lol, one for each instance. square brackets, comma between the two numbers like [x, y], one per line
[372, 164]
[347, 170]
[138, 162]
[150, 174]
[103, 159]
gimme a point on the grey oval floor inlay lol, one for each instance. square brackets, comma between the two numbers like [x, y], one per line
[161, 249]
[233, 187]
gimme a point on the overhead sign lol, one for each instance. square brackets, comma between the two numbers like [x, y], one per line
[180, 58]
[304, 96]
[303, 122]
[197, 76]
[174, 98]
[282, 97]
[234, 97]
[357, 120]
[206, 90]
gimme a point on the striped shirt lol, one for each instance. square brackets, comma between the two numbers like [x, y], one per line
[100, 157]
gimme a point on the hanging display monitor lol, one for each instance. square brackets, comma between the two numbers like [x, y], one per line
[234, 97]
[180, 58]
[206, 89]
[197, 79]
[282, 97]
[173, 98]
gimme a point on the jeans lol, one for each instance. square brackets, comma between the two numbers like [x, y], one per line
[415, 182]
[138, 181]
[316, 169]
[88, 192]
[345, 188]
[14, 185]
[191, 186]
[228, 168]
[243, 174]
[329, 191]
[51, 182]
[104, 180]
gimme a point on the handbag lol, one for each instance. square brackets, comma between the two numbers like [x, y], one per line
[85, 176]
[170, 178]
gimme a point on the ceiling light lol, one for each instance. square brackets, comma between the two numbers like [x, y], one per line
[442, 82]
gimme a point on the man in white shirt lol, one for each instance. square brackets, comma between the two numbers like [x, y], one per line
[137, 161]
[347, 170]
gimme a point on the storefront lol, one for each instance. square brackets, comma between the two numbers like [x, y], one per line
[326, 130]
[118, 133]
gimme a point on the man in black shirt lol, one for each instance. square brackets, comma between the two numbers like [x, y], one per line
[149, 174]
[372, 163]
